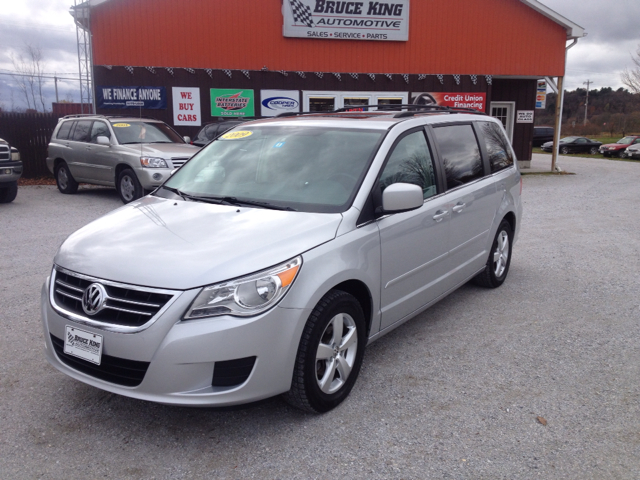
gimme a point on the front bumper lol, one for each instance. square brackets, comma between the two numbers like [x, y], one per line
[152, 178]
[182, 355]
[10, 172]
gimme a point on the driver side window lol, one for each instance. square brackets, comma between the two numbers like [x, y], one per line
[410, 162]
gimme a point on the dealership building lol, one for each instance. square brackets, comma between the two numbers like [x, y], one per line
[193, 62]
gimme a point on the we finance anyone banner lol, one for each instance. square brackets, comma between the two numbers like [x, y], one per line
[346, 20]
[131, 97]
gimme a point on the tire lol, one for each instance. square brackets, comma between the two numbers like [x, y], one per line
[64, 180]
[319, 381]
[497, 267]
[622, 154]
[128, 186]
[564, 150]
[8, 193]
[593, 150]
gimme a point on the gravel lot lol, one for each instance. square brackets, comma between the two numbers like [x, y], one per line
[454, 393]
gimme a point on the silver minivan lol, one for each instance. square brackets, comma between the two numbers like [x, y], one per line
[267, 263]
[133, 154]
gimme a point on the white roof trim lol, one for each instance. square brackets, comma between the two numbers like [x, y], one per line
[573, 30]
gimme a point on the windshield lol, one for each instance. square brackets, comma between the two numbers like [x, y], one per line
[313, 169]
[144, 132]
[626, 140]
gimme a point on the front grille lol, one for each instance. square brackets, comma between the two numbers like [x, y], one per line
[179, 161]
[129, 307]
[5, 153]
[120, 371]
[232, 372]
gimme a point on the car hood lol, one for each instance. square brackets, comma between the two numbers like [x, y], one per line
[616, 145]
[171, 244]
[163, 150]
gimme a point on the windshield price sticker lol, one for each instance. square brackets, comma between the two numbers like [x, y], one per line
[121, 125]
[237, 135]
[84, 345]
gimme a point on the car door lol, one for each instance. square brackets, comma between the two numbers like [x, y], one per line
[472, 198]
[102, 159]
[413, 244]
[77, 161]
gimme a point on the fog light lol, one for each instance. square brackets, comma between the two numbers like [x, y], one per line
[157, 176]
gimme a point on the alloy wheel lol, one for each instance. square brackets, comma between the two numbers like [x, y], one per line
[501, 254]
[336, 353]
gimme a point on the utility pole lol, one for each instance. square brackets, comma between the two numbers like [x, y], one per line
[586, 104]
[55, 80]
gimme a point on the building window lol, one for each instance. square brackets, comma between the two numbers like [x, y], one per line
[322, 104]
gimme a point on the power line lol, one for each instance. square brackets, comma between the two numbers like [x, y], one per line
[38, 76]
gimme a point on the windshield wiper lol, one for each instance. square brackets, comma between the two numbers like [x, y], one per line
[237, 202]
[182, 195]
[233, 201]
[255, 203]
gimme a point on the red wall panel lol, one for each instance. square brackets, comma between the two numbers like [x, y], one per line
[494, 37]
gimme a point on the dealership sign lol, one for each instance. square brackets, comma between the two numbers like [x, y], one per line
[228, 102]
[186, 106]
[475, 100]
[346, 20]
[131, 97]
[275, 102]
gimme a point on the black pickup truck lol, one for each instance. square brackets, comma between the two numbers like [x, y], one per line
[10, 172]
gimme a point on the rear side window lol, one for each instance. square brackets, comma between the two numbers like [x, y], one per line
[500, 156]
[460, 154]
[81, 132]
[410, 162]
[63, 133]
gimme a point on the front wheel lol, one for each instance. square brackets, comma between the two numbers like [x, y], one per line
[622, 154]
[129, 187]
[497, 267]
[593, 150]
[64, 180]
[8, 193]
[564, 150]
[329, 355]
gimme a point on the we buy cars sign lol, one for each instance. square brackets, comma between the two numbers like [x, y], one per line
[186, 106]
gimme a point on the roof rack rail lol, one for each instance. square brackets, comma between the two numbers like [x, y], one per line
[81, 115]
[411, 109]
[405, 110]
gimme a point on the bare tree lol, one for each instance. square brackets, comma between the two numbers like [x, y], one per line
[30, 65]
[631, 77]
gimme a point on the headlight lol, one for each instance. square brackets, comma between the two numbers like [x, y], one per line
[153, 162]
[247, 296]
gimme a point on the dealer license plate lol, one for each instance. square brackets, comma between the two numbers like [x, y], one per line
[84, 345]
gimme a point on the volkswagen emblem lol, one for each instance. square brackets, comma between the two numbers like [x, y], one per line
[93, 299]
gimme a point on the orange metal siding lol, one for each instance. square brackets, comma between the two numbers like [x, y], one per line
[496, 37]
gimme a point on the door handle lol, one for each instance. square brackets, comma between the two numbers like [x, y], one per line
[440, 215]
[459, 207]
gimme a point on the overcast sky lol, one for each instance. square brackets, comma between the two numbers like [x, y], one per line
[613, 29]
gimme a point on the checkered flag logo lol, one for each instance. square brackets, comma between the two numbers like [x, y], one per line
[301, 13]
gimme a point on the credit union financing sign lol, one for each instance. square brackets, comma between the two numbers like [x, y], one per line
[346, 20]
[131, 97]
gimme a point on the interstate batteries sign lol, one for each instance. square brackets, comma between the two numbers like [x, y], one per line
[131, 97]
[227, 102]
[347, 20]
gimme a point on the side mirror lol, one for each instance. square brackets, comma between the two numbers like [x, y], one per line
[401, 197]
[102, 140]
[187, 139]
